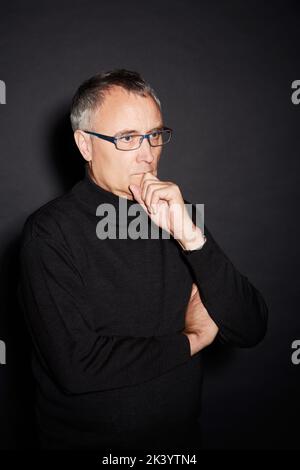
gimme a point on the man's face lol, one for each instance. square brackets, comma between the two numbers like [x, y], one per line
[122, 111]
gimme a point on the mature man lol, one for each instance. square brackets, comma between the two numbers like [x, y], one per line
[118, 323]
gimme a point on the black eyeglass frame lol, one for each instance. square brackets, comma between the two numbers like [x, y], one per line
[114, 140]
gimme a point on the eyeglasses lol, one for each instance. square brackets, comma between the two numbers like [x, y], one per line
[125, 142]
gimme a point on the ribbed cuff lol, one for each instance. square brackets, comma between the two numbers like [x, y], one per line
[205, 261]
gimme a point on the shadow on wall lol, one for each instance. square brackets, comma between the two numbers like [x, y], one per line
[61, 149]
[17, 430]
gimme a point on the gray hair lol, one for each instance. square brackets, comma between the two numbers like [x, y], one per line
[91, 93]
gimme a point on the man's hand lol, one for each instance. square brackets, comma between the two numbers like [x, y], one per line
[164, 204]
[199, 326]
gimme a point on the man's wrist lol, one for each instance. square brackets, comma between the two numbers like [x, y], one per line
[195, 242]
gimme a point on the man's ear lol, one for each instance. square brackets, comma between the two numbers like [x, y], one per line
[83, 142]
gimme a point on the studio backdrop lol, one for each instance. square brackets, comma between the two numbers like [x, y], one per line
[228, 77]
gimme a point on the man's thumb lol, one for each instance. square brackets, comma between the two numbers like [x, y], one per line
[135, 191]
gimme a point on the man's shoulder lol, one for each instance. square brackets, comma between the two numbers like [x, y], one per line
[47, 220]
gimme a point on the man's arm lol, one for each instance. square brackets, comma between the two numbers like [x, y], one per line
[78, 358]
[234, 304]
[200, 328]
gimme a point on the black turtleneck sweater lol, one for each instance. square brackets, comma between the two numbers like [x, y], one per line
[112, 366]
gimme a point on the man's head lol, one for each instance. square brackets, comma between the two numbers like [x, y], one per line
[112, 104]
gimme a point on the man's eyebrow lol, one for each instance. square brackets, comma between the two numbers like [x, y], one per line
[129, 131]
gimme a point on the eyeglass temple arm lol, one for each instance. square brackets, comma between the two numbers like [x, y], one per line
[102, 136]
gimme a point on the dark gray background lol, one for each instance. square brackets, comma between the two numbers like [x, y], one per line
[223, 71]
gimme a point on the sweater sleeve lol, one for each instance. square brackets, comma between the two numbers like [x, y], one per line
[52, 295]
[234, 304]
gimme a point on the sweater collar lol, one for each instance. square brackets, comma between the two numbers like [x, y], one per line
[92, 195]
[97, 194]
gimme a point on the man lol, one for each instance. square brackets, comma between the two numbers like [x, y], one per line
[118, 324]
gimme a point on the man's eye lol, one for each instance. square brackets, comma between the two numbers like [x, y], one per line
[126, 138]
[155, 134]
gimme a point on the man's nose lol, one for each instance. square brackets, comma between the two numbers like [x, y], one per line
[145, 151]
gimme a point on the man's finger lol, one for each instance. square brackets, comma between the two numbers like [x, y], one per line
[194, 289]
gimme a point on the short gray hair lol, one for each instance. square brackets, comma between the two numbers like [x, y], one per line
[91, 93]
